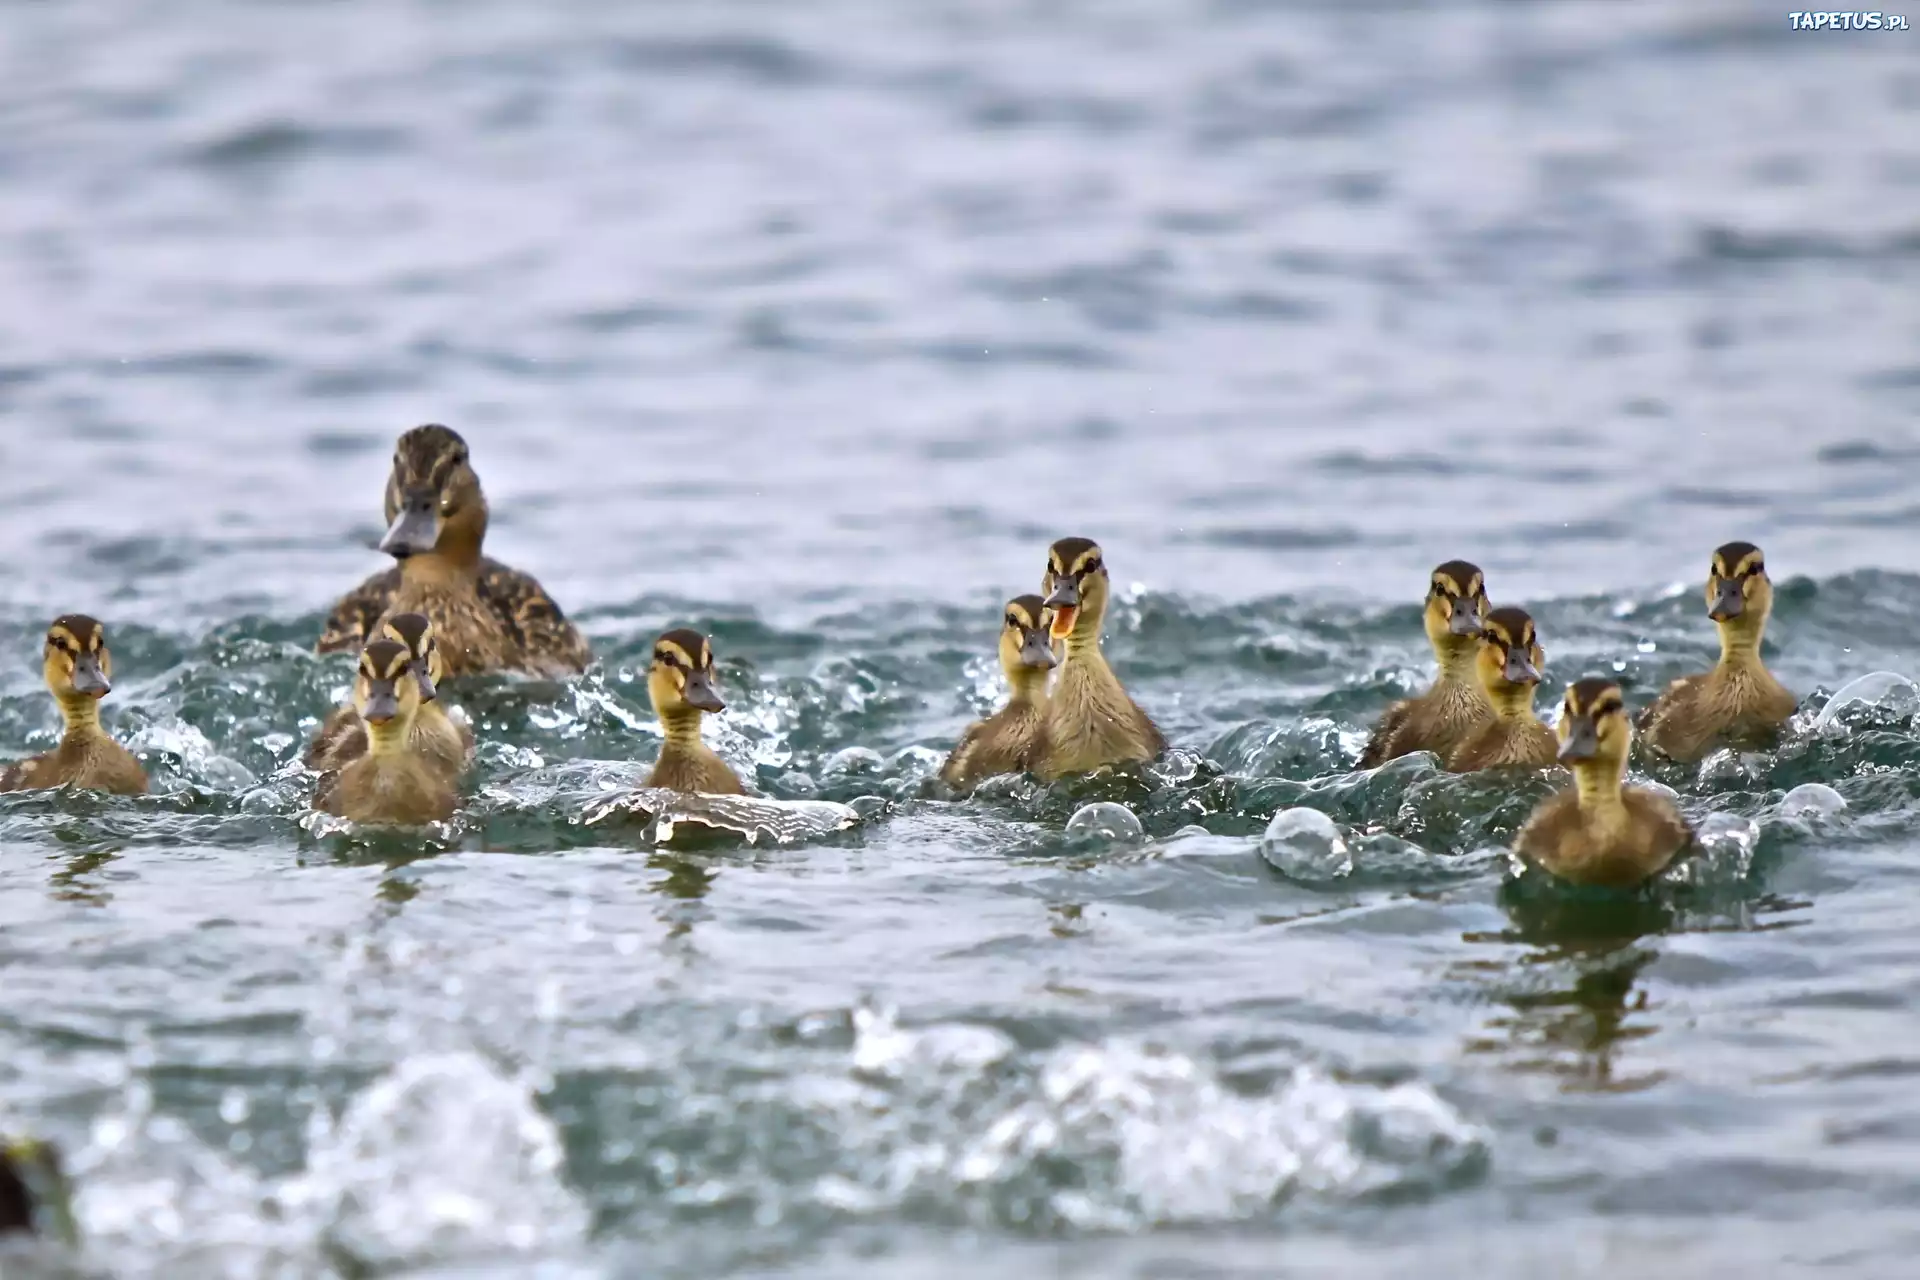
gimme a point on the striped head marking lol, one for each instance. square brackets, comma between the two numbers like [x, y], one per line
[1076, 579]
[383, 690]
[415, 631]
[1737, 583]
[1510, 648]
[1024, 636]
[77, 661]
[1456, 599]
[682, 673]
[1593, 722]
[432, 486]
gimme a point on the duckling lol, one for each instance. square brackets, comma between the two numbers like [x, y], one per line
[78, 667]
[488, 617]
[1441, 718]
[1090, 721]
[1509, 666]
[342, 738]
[1008, 741]
[680, 681]
[394, 782]
[1739, 698]
[34, 1192]
[1601, 832]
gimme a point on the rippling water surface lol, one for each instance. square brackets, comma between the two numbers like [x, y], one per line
[811, 325]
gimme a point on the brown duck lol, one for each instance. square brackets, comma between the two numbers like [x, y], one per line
[486, 616]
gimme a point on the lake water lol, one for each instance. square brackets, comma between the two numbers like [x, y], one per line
[811, 325]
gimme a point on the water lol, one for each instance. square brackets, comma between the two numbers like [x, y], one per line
[811, 325]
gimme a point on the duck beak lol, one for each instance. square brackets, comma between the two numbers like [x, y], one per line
[413, 533]
[428, 692]
[1582, 741]
[1729, 602]
[699, 692]
[1064, 600]
[383, 703]
[1465, 619]
[1036, 651]
[1520, 669]
[88, 678]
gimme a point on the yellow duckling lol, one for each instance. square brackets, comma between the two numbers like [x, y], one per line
[1601, 832]
[1090, 720]
[1009, 740]
[393, 782]
[78, 668]
[680, 681]
[488, 617]
[1509, 666]
[1442, 717]
[1739, 698]
[342, 738]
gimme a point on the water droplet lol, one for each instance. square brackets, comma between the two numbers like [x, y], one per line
[1305, 843]
[234, 1106]
[1107, 821]
[1812, 800]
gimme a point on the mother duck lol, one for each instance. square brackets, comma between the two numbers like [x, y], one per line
[486, 616]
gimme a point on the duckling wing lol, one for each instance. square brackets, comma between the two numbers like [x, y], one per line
[1553, 820]
[1661, 825]
[955, 772]
[342, 738]
[1380, 746]
[19, 775]
[354, 618]
[548, 642]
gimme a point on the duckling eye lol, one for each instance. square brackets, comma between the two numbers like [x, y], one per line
[1093, 566]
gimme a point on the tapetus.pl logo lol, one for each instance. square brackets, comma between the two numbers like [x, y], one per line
[1851, 20]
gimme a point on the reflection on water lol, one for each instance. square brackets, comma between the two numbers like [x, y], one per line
[1576, 1029]
[75, 881]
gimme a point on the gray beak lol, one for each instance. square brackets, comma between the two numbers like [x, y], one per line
[1065, 595]
[1582, 741]
[1465, 620]
[1728, 602]
[1036, 650]
[414, 531]
[88, 678]
[699, 692]
[427, 690]
[383, 704]
[1520, 669]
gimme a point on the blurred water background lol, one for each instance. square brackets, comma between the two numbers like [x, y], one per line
[811, 325]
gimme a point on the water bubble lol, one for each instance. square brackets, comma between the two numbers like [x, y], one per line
[1305, 844]
[1105, 820]
[1812, 800]
[855, 760]
[1878, 690]
[1726, 841]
